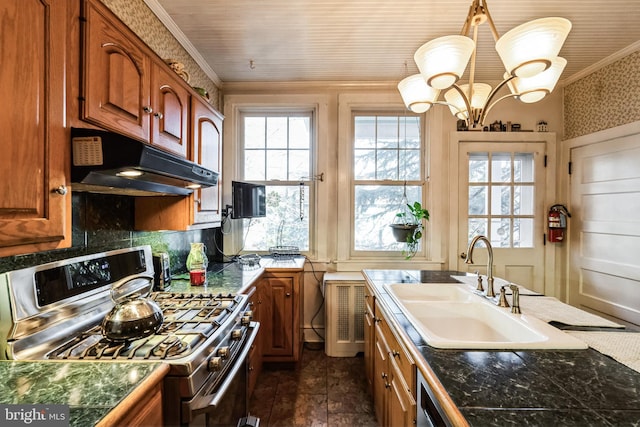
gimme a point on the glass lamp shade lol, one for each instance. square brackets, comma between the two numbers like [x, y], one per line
[530, 48]
[442, 61]
[458, 107]
[533, 89]
[416, 93]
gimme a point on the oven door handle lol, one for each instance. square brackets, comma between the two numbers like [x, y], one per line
[206, 403]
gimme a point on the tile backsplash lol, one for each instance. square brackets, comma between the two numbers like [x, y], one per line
[106, 222]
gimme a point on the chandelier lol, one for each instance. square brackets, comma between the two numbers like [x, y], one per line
[529, 53]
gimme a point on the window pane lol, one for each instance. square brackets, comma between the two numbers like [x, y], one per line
[276, 164]
[523, 167]
[254, 128]
[476, 226]
[410, 132]
[277, 134]
[478, 200]
[375, 209]
[501, 200]
[254, 165]
[523, 200]
[387, 132]
[364, 164]
[282, 225]
[365, 132]
[500, 232]
[387, 164]
[501, 167]
[410, 165]
[298, 164]
[299, 132]
[478, 167]
[523, 232]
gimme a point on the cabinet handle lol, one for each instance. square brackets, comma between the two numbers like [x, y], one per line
[147, 109]
[61, 190]
[158, 115]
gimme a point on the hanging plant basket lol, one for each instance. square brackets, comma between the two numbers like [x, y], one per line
[403, 232]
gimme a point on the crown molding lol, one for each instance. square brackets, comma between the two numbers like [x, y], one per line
[173, 28]
[633, 47]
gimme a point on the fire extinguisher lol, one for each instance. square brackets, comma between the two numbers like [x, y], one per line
[557, 223]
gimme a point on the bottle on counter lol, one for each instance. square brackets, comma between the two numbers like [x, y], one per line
[197, 264]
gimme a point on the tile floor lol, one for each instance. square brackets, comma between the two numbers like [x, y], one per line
[319, 391]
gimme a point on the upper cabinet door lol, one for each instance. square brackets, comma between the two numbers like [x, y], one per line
[116, 75]
[170, 117]
[33, 215]
[207, 151]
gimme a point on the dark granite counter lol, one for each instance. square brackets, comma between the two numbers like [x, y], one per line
[233, 277]
[91, 390]
[533, 387]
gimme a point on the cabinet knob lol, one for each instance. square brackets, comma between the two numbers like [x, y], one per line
[377, 320]
[288, 294]
[147, 109]
[395, 353]
[158, 115]
[61, 190]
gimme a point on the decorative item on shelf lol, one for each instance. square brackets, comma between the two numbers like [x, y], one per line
[542, 126]
[407, 226]
[529, 52]
[203, 92]
[515, 127]
[496, 126]
[197, 263]
[178, 68]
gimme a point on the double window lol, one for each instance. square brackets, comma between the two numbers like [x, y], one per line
[277, 151]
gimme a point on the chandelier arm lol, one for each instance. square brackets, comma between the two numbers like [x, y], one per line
[494, 30]
[469, 20]
[467, 103]
[486, 110]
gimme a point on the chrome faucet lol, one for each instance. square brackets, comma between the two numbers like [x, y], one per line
[490, 293]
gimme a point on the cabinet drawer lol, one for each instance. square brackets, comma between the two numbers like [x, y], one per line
[400, 356]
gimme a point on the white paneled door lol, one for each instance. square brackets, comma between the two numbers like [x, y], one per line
[605, 227]
[502, 194]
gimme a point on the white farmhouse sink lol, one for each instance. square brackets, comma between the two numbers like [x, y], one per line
[469, 321]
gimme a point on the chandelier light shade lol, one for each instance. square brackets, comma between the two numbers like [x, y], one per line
[417, 95]
[533, 89]
[529, 49]
[529, 53]
[442, 61]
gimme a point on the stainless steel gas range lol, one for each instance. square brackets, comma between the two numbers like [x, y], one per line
[55, 311]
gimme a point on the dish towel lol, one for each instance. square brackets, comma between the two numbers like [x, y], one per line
[550, 309]
[622, 346]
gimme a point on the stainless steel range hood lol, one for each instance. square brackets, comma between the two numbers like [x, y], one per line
[110, 163]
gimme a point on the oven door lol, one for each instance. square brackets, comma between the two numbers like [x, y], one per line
[228, 402]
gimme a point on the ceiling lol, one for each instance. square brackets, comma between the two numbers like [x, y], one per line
[371, 40]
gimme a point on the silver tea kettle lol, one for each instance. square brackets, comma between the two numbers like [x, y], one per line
[134, 315]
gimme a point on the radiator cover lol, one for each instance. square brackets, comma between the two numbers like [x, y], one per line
[344, 314]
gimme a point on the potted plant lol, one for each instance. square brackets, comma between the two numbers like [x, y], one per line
[407, 227]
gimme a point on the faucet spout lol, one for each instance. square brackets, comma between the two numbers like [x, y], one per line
[490, 293]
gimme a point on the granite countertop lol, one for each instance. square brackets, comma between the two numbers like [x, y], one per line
[533, 387]
[91, 389]
[233, 277]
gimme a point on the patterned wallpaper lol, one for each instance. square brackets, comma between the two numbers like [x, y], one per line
[607, 98]
[142, 21]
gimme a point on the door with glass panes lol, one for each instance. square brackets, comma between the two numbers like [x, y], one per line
[502, 196]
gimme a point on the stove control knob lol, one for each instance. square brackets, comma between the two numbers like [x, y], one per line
[249, 313]
[245, 320]
[215, 364]
[223, 352]
[236, 334]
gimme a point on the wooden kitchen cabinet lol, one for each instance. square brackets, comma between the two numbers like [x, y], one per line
[393, 377]
[203, 207]
[281, 296]
[35, 207]
[127, 89]
[369, 334]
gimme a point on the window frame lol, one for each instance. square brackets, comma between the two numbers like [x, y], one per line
[310, 182]
[422, 182]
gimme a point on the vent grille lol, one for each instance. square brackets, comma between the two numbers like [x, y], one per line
[344, 318]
